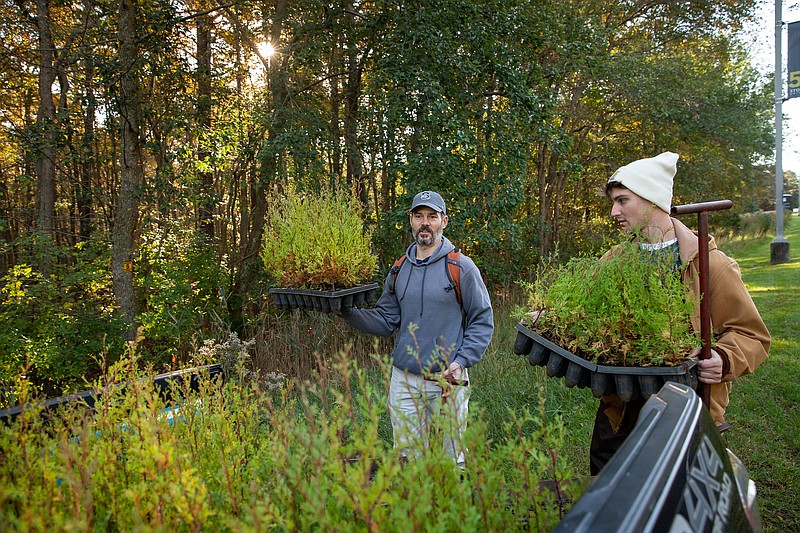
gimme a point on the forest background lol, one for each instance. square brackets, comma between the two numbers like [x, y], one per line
[142, 143]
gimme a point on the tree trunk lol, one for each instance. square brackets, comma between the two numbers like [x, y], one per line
[335, 128]
[131, 175]
[269, 170]
[261, 181]
[87, 167]
[352, 95]
[45, 124]
[7, 259]
[206, 207]
[542, 174]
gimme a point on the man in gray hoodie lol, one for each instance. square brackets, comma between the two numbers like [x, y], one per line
[438, 337]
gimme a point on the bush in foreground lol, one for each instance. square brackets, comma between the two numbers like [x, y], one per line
[262, 454]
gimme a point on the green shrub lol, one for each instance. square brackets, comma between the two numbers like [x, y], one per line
[181, 286]
[629, 309]
[756, 225]
[318, 241]
[57, 328]
[238, 456]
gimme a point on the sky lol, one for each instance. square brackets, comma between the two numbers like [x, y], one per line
[763, 55]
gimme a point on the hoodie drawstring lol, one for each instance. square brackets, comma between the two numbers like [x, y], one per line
[422, 300]
[410, 269]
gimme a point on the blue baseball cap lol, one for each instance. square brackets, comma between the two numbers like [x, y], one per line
[429, 199]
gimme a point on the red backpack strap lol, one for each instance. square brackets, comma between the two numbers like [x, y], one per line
[454, 272]
[394, 271]
[453, 268]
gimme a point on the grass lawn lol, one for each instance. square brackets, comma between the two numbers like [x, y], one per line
[764, 408]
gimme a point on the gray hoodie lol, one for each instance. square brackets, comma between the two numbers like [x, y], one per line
[427, 316]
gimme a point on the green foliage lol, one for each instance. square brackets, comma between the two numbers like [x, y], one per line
[317, 240]
[450, 78]
[239, 456]
[57, 327]
[181, 284]
[630, 308]
[748, 226]
[755, 225]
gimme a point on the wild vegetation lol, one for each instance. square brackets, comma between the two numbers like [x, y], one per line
[142, 145]
[271, 454]
[96, 470]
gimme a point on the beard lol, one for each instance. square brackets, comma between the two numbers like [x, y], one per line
[427, 241]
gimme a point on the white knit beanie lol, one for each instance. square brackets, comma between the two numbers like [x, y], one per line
[650, 178]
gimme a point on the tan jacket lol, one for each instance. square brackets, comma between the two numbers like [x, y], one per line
[738, 332]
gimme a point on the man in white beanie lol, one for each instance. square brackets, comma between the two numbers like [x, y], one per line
[641, 193]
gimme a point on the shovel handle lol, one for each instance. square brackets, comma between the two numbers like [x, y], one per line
[717, 205]
[702, 210]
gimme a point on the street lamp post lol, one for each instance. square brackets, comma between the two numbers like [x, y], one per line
[779, 248]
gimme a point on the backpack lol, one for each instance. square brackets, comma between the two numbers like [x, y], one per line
[452, 267]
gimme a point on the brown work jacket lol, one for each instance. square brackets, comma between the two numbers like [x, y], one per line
[739, 334]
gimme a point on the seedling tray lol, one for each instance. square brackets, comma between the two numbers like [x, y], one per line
[327, 301]
[163, 383]
[626, 382]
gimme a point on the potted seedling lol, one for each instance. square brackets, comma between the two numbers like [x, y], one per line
[318, 252]
[619, 325]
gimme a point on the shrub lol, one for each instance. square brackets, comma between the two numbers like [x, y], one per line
[629, 309]
[756, 225]
[318, 241]
[56, 328]
[181, 286]
[236, 456]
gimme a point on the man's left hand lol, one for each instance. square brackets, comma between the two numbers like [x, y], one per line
[710, 370]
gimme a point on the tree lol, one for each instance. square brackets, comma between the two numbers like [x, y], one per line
[204, 103]
[131, 165]
[45, 154]
[645, 77]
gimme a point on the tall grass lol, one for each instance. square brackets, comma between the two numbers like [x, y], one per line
[294, 343]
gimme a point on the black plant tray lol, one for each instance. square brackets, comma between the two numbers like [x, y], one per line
[627, 382]
[329, 301]
[162, 382]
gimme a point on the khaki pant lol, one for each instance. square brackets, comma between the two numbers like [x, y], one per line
[414, 402]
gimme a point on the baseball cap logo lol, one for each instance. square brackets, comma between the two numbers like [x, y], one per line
[426, 195]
